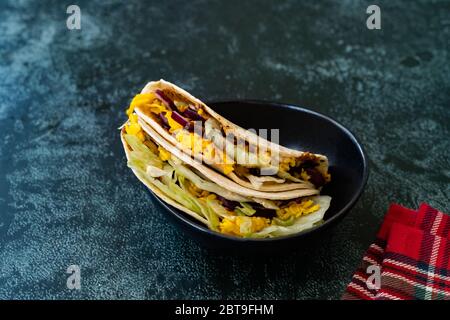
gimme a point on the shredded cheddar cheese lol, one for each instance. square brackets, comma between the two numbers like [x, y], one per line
[140, 100]
[207, 196]
[241, 226]
[286, 163]
[296, 210]
[304, 175]
[174, 126]
[133, 127]
[198, 145]
[164, 155]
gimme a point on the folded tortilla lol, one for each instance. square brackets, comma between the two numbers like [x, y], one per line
[240, 155]
[208, 197]
[230, 202]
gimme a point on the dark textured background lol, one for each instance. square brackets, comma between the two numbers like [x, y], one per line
[67, 197]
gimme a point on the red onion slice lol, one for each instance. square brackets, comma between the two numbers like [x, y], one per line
[167, 101]
[192, 115]
[188, 125]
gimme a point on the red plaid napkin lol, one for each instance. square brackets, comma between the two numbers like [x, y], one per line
[412, 254]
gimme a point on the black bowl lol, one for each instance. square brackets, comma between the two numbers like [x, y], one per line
[300, 129]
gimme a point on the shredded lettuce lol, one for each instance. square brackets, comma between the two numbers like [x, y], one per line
[142, 162]
[284, 223]
[156, 172]
[141, 150]
[300, 224]
[220, 210]
[245, 209]
[206, 185]
[213, 218]
[245, 228]
[168, 186]
[209, 214]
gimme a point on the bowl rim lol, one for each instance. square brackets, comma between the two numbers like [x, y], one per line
[340, 214]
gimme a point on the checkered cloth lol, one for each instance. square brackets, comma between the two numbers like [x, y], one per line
[412, 255]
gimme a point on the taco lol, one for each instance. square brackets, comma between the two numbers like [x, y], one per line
[227, 195]
[241, 155]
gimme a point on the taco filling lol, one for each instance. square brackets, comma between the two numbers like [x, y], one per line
[223, 211]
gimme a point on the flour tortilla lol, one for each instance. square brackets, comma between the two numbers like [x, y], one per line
[276, 187]
[228, 126]
[176, 93]
[220, 179]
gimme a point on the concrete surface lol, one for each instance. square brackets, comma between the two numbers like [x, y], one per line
[67, 197]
